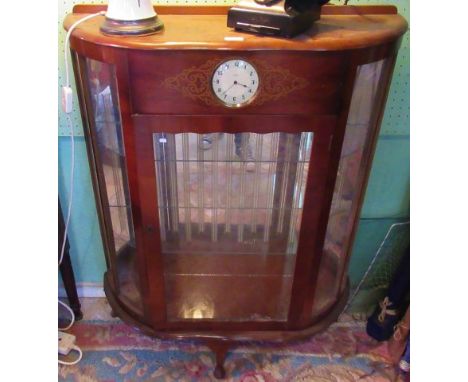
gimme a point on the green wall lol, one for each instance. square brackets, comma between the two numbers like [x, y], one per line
[387, 195]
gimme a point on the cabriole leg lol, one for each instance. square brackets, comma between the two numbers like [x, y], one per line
[220, 348]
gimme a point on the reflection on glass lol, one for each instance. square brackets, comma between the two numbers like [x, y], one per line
[230, 208]
[108, 133]
[348, 184]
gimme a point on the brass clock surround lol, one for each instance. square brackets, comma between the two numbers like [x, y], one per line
[247, 102]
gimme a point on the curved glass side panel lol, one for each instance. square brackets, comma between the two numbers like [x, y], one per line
[349, 183]
[112, 175]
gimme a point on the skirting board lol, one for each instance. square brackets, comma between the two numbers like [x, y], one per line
[85, 290]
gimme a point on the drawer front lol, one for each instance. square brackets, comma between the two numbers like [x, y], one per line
[179, 82]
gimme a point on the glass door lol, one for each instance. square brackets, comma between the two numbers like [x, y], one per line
[229, 208]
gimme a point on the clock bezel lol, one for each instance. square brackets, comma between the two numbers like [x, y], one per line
[239, 105]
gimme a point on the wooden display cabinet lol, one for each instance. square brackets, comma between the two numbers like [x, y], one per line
[228, 211]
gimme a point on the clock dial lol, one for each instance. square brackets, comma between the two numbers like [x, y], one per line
[235, 82]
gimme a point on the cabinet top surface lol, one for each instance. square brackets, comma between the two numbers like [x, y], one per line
[339, 28]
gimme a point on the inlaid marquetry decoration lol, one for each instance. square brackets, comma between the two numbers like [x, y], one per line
[195, 82]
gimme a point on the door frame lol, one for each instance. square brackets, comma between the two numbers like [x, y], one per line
[145, 126]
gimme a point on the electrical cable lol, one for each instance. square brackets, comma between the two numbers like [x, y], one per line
[68, 109]
[70, 363]
[72, 314]
[70, 125]
[67, 39]
[70, 195]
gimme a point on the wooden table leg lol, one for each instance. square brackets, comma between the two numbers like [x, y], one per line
[220, 348]
[68, 279]
[66, 270]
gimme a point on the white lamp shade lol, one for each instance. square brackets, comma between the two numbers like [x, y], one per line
[130, 10]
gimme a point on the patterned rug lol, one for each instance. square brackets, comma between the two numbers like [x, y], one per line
[113, 351]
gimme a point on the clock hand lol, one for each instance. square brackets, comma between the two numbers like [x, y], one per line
[229, 88]
[245, 86]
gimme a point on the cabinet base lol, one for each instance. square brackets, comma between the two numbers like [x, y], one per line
[221, 341]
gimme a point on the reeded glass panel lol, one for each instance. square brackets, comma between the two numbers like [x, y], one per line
[349, 182]
[230, 209]
[111, 163]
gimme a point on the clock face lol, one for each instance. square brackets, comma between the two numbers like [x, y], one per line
[235, 82]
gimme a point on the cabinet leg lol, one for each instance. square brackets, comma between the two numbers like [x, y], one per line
[219, 372]
[220, 349]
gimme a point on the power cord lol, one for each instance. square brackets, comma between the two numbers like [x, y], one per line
[71, 363]
[67, 107]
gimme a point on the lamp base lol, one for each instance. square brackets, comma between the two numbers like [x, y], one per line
[132, 27]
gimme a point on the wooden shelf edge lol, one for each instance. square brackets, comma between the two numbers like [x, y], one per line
[222, 9]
